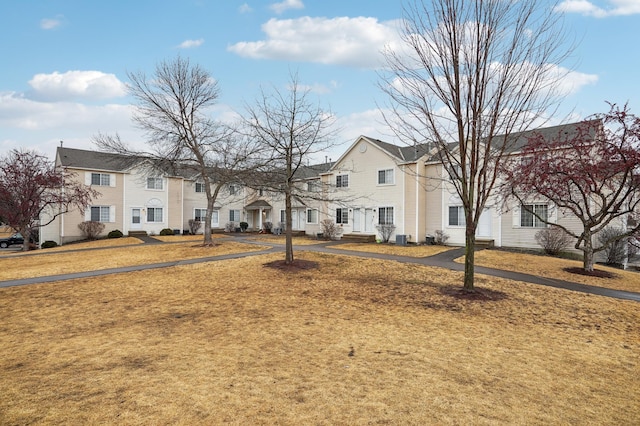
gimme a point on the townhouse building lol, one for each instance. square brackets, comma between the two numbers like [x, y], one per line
[372, 183]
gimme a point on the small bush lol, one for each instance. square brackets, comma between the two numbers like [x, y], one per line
[385, 231]
[553, 240]
[49, 244]
[166, 231]
[439, 237]
[91, 229]
[194, 226]
[244, 226]
[267, 226]
[617, 250]
[229, 227]
[330, 229]
[116, 233]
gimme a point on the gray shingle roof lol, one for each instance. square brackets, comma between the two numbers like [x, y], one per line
[94, 160]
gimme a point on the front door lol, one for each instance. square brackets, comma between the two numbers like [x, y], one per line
[136, 222]
[368, 220]
[484, 224]
[356, 220]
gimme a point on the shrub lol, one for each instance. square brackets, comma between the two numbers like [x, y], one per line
[244, 226]
[49, 244]
[194, 226]
[229, 227]
[330, 229]
[166, 231]
[267, 226]
[115, 234]
[553, 240]
[618, 250]
[439, 237]
[385, 231]
[91, 229]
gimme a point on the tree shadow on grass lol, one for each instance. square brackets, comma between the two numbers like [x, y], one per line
[478, 295]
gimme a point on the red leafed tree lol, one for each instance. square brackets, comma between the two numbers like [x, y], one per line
[33, 192]
[592, 173]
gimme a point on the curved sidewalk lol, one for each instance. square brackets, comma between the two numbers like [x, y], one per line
[441, 260]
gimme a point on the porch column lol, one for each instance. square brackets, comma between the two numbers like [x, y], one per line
[260, 218]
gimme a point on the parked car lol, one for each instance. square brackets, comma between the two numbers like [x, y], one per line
[15, 239]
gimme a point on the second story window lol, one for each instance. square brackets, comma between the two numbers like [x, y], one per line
[342, 181]
[200, 187]
[100, 179]
[385, 177]
[155, 183]
[233, 189]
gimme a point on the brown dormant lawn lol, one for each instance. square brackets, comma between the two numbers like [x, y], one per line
[355, 341]
[67, 259]
[553, 267]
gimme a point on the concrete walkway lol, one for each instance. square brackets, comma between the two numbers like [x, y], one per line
[441, 260]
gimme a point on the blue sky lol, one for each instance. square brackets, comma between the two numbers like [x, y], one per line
[65, 62]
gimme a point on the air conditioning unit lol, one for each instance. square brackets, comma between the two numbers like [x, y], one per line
[401, 240]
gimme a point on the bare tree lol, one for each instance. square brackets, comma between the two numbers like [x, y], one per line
[290, 128]
[174, 109]
[33, 192]
[469, 73]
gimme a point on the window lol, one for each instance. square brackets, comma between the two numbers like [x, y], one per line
[200, 187]
[530, 215]
[385, 177]
[260, 192]
[312, 216]
[342, 216]
[456, 216]
[215, 218]
[154, 183]
[342, 181]
[200, 214]
[100, 213]
[233, 189]
[154, 214]
[101, 179]
[385, 215]
[313, 186]
[234, 215]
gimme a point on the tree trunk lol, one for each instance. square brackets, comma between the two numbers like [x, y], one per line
[288, 259]
[587, 259]
[469, 257]
[26, 234]
[207, 223]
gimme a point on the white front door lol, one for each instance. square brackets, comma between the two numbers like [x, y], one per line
[368, 220]
[484, 224]
[136, 222]
[302, 213]
[356, 220]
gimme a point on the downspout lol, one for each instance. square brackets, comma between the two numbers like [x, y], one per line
[417, 219]
[404, 199]
[125, 222]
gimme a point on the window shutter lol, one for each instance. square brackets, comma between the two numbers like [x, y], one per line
[112, 180]
[553, 213]
[112, 214]
[87, 212]
[87, 178]
[516, 217]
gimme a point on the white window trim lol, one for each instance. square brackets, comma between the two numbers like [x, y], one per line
[541, 224]
[460, 216]
[154, 209]
[156, 179]
[393, 177]
[342, 211]
[348, 180]
[393, 219]
[307, 216]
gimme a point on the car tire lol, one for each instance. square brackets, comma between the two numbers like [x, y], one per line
[4, 244]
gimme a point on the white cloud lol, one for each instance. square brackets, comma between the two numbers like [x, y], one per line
[77, 84]
[589, 8]
[286, 5]
[245, 8]
[51, 23]
[320, 89]
[189, 44]
[345, 41]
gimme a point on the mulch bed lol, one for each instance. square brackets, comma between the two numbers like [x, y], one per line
[595, 273]
[295, 266]
[479, 294]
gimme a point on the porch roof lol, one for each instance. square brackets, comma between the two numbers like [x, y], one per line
[257, 205]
